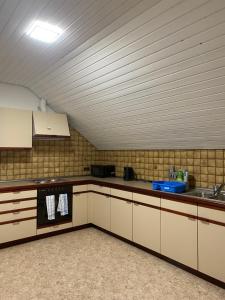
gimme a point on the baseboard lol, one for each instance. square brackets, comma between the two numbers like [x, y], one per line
[165, 258]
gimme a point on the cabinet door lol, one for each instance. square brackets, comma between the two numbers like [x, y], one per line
[16, 128]
[90, 208]
[121, 218]
[179, 238]
[101, 211]
[79, 209]
[146, 226]
[211, 245]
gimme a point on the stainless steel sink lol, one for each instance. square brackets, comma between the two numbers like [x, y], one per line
[205, 193]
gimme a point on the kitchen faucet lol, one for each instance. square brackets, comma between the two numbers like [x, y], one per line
[218, 189]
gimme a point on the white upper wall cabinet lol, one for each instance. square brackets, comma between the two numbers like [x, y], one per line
[15, 128]
[50, 124]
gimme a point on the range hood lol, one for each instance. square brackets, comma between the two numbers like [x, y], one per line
[50, 125]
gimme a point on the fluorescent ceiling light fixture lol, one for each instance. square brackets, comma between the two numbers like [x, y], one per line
[44, 31]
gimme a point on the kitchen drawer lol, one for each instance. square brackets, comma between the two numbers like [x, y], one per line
[18, 215]
[186, 208]
[54, 228]
[18, 195]
[151, 200]
[17, 230]
[99, 188]
[211, 214]
[121, 194]
[14, 205]
[80, 188]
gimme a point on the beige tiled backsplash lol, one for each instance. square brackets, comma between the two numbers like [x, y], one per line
[206, 167]
[67, 158]
[48, 158]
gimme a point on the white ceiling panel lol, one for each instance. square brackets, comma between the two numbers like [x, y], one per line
[130, 74]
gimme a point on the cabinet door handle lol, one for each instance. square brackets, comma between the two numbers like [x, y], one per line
[16, 192]
[49, 128]
[136, 204]
[16, 212]
[16, 202]
[15, 223]
[128, 202]
[107, 196]
[191, 219]
[56, 226]
[205, 222]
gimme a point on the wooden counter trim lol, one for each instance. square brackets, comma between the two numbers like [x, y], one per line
[159, 194]
[17, 210]
[205, 220]
[179, 213]
[17, 220]
[78, 193]
[210, 206]
[18, 200]
[147, 205]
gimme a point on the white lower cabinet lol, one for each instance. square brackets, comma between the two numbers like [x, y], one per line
[99, 210]
[211, 243]
[17, 230]
[80, 209]
[179, 238]
[146, 226]
[121, 217]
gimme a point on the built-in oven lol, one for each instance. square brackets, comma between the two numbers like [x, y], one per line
[54, 205]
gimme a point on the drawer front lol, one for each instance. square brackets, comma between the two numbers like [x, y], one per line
[18, 215]
[121, 194]
[18, 195]
[14, 205]
[17, 230]
[99, 188]
[80, 188]
[211, 214]
[186, 208]
[54, 228]
[151, 200]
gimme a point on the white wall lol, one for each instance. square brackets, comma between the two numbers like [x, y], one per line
[14, 96]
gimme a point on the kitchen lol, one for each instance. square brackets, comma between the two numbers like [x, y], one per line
[105, 108]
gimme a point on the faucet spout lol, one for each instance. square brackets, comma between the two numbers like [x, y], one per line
[218, 189]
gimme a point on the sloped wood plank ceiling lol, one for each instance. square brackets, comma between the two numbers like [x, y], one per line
[130, 74]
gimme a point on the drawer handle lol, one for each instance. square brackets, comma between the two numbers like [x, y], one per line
[16, 212]
[136, 204]
[205, 222]
[49, 128]
[56, 226]
[16, 192]
[16, 202]
[128, 202]
[191, 219]
[15, 223]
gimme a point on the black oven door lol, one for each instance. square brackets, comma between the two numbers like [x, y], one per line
[42, 214]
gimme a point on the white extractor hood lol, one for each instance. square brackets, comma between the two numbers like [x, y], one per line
[48, 124]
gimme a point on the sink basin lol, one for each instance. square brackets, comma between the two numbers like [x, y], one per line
[205, 193]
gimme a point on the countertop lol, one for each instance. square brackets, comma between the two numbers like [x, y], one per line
[142, 187]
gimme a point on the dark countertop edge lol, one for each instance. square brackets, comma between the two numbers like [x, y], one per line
[170, 196]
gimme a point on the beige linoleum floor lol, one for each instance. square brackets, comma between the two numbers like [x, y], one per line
[89, 264]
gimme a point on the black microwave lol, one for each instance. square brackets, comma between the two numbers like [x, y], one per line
[103, 171]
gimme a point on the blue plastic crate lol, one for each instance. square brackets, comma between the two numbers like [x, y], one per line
[169, 186]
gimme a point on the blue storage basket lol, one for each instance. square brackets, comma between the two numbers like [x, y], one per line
[169, 186]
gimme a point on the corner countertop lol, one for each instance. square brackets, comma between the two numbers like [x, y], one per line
[137, 186]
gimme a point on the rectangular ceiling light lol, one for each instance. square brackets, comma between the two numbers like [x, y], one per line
[44, 32]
